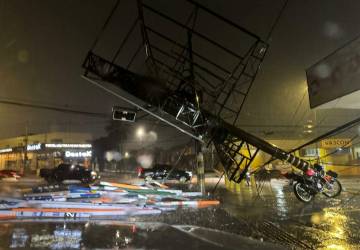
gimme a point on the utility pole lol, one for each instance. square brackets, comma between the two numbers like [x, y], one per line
[200, 167]
[26, 139]
[198, 145]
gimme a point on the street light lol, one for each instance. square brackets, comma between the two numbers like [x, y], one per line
[140, 132]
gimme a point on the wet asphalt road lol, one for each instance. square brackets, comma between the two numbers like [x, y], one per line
[268, 212]
[280, 217]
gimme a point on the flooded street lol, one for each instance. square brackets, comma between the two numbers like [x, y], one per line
[278, 215]
[273, 216]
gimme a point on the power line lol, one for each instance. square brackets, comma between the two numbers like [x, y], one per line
[277, 20]
[78, 112]
[105, 24]
[53, 108]
[333, 132]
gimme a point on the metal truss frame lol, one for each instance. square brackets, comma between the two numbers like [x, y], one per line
[192, 91]
[236, 156]
[227, 88]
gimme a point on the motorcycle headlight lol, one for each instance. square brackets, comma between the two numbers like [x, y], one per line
[93, 173]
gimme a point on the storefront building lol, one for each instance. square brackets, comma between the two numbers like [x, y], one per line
[34, 152]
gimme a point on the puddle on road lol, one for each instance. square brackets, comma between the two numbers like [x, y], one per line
[119, 235]
[70, 235]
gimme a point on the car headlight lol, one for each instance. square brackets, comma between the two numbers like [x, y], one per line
[93, 173]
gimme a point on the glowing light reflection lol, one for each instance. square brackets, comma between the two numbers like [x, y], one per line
[334, 225]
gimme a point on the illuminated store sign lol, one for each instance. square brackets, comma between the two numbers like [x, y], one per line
[62, 145]
[71, 154]
[33, 147]
[5, 150]
[335, 143]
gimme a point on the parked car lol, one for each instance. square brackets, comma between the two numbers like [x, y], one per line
[160, 171]
[68, 172]
[7, 173]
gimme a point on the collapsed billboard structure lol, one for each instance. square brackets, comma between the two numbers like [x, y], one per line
[188, 73]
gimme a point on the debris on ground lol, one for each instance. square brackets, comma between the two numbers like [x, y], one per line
[103, 200]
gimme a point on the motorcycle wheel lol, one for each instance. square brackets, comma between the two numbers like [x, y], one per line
[335, 191]
[301, 193]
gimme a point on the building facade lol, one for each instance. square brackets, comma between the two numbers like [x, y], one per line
[33, 152]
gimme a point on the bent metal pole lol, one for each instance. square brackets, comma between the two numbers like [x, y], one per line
[263, 145]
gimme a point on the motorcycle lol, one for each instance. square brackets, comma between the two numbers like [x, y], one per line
[313, 181]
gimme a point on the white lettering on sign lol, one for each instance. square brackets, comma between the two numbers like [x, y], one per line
[71, 215]
[71, 154]
[33, 147]
[5, 150]
[67, 145]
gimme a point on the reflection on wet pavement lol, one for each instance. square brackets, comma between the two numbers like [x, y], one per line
[321, 224]
[333, 223]
[281, 205]
[112, 235]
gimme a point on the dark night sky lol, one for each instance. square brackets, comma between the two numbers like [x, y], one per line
[44, 42]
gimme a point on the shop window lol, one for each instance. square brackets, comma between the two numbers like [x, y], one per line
[341, 151]
[357, 155]
[340, 156]
[10, 164]
[309, 152]
[28, 162]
